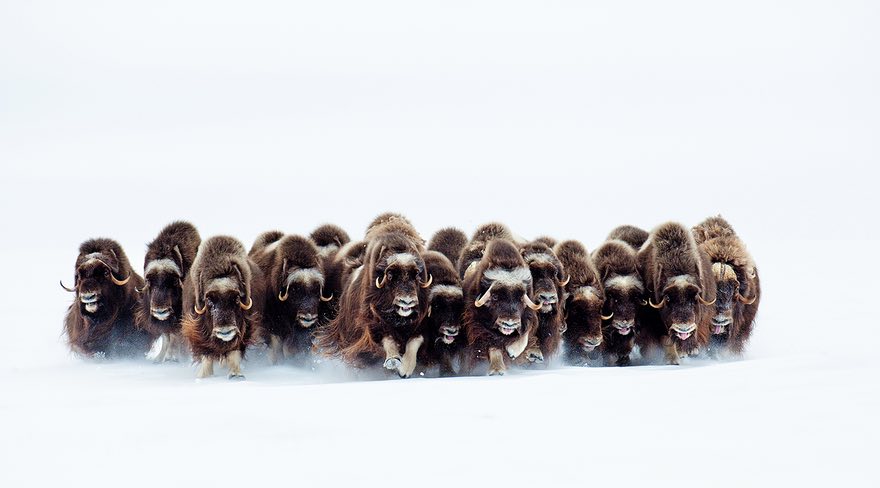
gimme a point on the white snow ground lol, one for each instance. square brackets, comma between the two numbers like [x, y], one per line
[560, 118]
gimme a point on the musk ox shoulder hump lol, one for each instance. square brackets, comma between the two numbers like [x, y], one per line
[265, 240]
[549, 241]
[491, 231]
[711, 228]
[391, 223]
[299, 251]
[672, 237]
[729, 250]
[501, 253]
[441, 269]
[450, 242]
[629, 234]
[577, 263]
[615, 257]
[330, 235]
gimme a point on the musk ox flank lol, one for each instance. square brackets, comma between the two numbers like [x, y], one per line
[548, 282]
[737, 283]
[448, 242]
[100, 322]
[681, 291]
[166, 266]
[223, 300]
[584, 297]
[499, 314]
[383, 301]
[629, 234]
[617, 265]
[442, 324]
[295, 300]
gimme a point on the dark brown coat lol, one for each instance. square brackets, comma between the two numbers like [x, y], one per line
[629, 234]
[330, 240]
[679, 283]
[583, 300]
[166, 267]
[449, 242]
[473, 251]
[100, 323]
[617, 264]
[737, 282]
[548, 275]
[223, 299]
[442, 325]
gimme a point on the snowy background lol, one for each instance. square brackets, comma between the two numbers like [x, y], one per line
[559, 118]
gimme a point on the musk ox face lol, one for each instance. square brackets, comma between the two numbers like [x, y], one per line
[224, 306]
[504, 298]
[583, 315]
[398, 277]
[446, 305]
[162, 295]
[302, 293]
[98, 283]
[679, 306]
[730, 291]
[623, 295]
[546, 281]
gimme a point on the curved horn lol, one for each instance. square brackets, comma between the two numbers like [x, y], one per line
[71, 290]
[119, 282]
[281, 297]
[529, 303]
[644, 302]
[430, 280]
[381, 284]
[606, 317]
[479, 302]
[658, 305]
[250, 304]
[703, 300]
[199, 312]
[141, 290]
[325, 299]
[567, 279]
[742, 299]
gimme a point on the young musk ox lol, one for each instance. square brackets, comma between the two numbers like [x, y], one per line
[618, 266]
[499, 314]
[295, 299]
[330, 240]
[629, 234]
[449, 242]
[584, 297]
[442, 324]
[100, 323]
[383, 301]
[224, 299]
[737, 283]
[548, 283]
[166, 266]
[681, 292]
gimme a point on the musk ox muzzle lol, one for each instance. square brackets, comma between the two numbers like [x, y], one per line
[623, 327]
[508, 326]
[683, 330]
[405, 305]
[226, 333]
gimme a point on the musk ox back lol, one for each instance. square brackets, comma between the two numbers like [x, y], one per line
[100, 323]
[499, 314]
[629, 234]
[617, 265]
[548, 282]
[295, 300]
[166, 265]
[737, 283]
[584, 297]
[223, 299]
[383, 301]
[442, 324]
[449, 242]
[680, 289]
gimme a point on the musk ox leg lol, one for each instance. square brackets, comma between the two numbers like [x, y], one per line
[275, 349]
[206, 367]
[163, 349]
[670, 352]
[173, 354]
[234, 361]
[392, 353]
[408, 364]
[515, 348]
[496, 362]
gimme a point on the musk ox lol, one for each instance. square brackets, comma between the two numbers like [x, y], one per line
[330, 239]
[548, 282]
[618, 266]
[166, 266]
[629, 234]
[223, 299]
[383, 301]
[737, 283]
[448, 242]
[583, 300]
[547, 240]
[442, 324]
[474, 250]
[100, 323]
[499, 313]
[295, 301]
[681, 291]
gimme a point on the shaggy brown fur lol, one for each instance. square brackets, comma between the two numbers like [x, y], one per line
[547, 276]
[100, 323]
[474, 249]
[617, 264]
[498, 330]
[223, 281]
[737, 283]
[583, 297]
[330, 240]
[166, 266]
[548, 241]
[676, 274]
[294, 272]
[383, 301]
[449, 242]
[441, 327]
[629, 234]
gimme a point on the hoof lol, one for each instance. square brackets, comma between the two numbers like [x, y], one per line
[392, 363]
[672, 361]
[535, 357]
[236, 377]
[496, 372]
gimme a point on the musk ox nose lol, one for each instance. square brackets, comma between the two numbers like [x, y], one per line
[405, 305]
[683, 330]
[624, 327]
[508, 326]
[548, 297]
[225, 333]
[88, 298]
[720, 324]
[307, 319]
[161, 313]
[448, 334]
[590, 343]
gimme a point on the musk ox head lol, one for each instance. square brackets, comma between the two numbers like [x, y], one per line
[583, 314]
[101, 277]
[299, 277]
[445, 298]
[617, 263]
[548, 276]
[398, 280]
[162, 295]
[734, 286]
[678, 302]
[503, 285]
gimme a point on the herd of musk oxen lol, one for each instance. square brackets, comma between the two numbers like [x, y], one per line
[455, 306]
